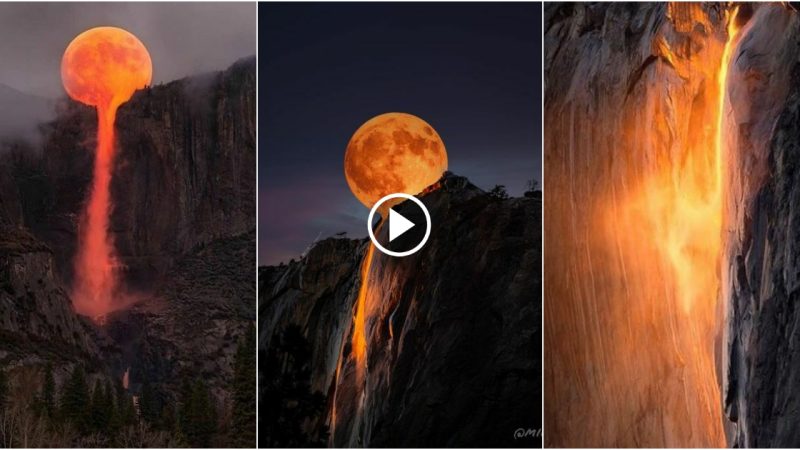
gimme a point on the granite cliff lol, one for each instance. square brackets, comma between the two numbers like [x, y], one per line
[183, 222]
[761, 356]
[637, 98]
[453, 332]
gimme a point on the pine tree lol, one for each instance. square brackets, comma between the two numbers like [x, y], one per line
[171, 421]
[199, 416]
[114, 418]
[75, 401]
[498, 192]
[244, 391]
[184, 403]
[49, 392]
[168, 419]
[127, 413]
[149, 405]
[100, 408]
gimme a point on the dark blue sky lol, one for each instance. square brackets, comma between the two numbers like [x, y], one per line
[472, 71]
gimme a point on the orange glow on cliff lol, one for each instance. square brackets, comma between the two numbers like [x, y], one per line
[682, 202]
[685, 205]
[359, 334]
[722, 79]
[635, 183]
[101, 67]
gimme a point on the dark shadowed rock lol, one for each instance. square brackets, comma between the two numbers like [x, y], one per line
[763, 352]
[184, 174]
[453, 331]
[183, 222]
[192, 323]
[37, 321]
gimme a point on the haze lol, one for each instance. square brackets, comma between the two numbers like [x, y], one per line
[183, 38]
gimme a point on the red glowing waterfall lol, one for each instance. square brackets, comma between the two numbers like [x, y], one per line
[102, 67]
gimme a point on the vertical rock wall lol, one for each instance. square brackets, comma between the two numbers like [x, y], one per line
[453, 337]
[185, 172]
[631, 105]
[761, 345]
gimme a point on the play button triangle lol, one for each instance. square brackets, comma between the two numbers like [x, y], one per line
[398, 225]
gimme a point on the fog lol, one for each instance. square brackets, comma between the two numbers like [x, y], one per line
[183, 38]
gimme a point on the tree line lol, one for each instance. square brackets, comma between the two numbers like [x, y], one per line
[102, 413]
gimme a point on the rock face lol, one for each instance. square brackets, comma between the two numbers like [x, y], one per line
[629, 98]
[37, 322]
[191, 325]
[317, 294]
[760, 355]
[183, 222]
[189, 157]
[453, 351]
[631, 91]
[184, 175]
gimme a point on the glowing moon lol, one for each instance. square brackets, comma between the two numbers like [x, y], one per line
[101, 67]
[104, 66]
[393, 152]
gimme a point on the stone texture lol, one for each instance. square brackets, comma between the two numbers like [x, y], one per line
[761, 356]
[453, 335]
[37, 322]
[185, 172]
[183, 222]
[626, 89]
[629, 91]
[192, 323]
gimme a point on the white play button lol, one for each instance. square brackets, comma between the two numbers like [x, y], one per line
[398, 225]
[408, 230]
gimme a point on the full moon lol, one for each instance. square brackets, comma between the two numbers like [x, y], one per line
[393, 152]
[104, 66]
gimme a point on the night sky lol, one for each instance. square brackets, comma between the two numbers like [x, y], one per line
[472, 71]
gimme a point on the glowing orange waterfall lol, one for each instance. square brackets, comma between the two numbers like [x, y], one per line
[359, 333]
[352, 393]
[96, 261]
[719, 147]
[634, 174]
[685, 206]
[101, 67]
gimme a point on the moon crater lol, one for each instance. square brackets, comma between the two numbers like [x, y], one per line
[104, 66]
[393, 152]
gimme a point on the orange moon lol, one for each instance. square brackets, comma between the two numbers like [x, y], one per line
[104, 66]
[393, 152]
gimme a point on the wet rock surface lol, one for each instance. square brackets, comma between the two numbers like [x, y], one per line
[317, 294]
[453, 332]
